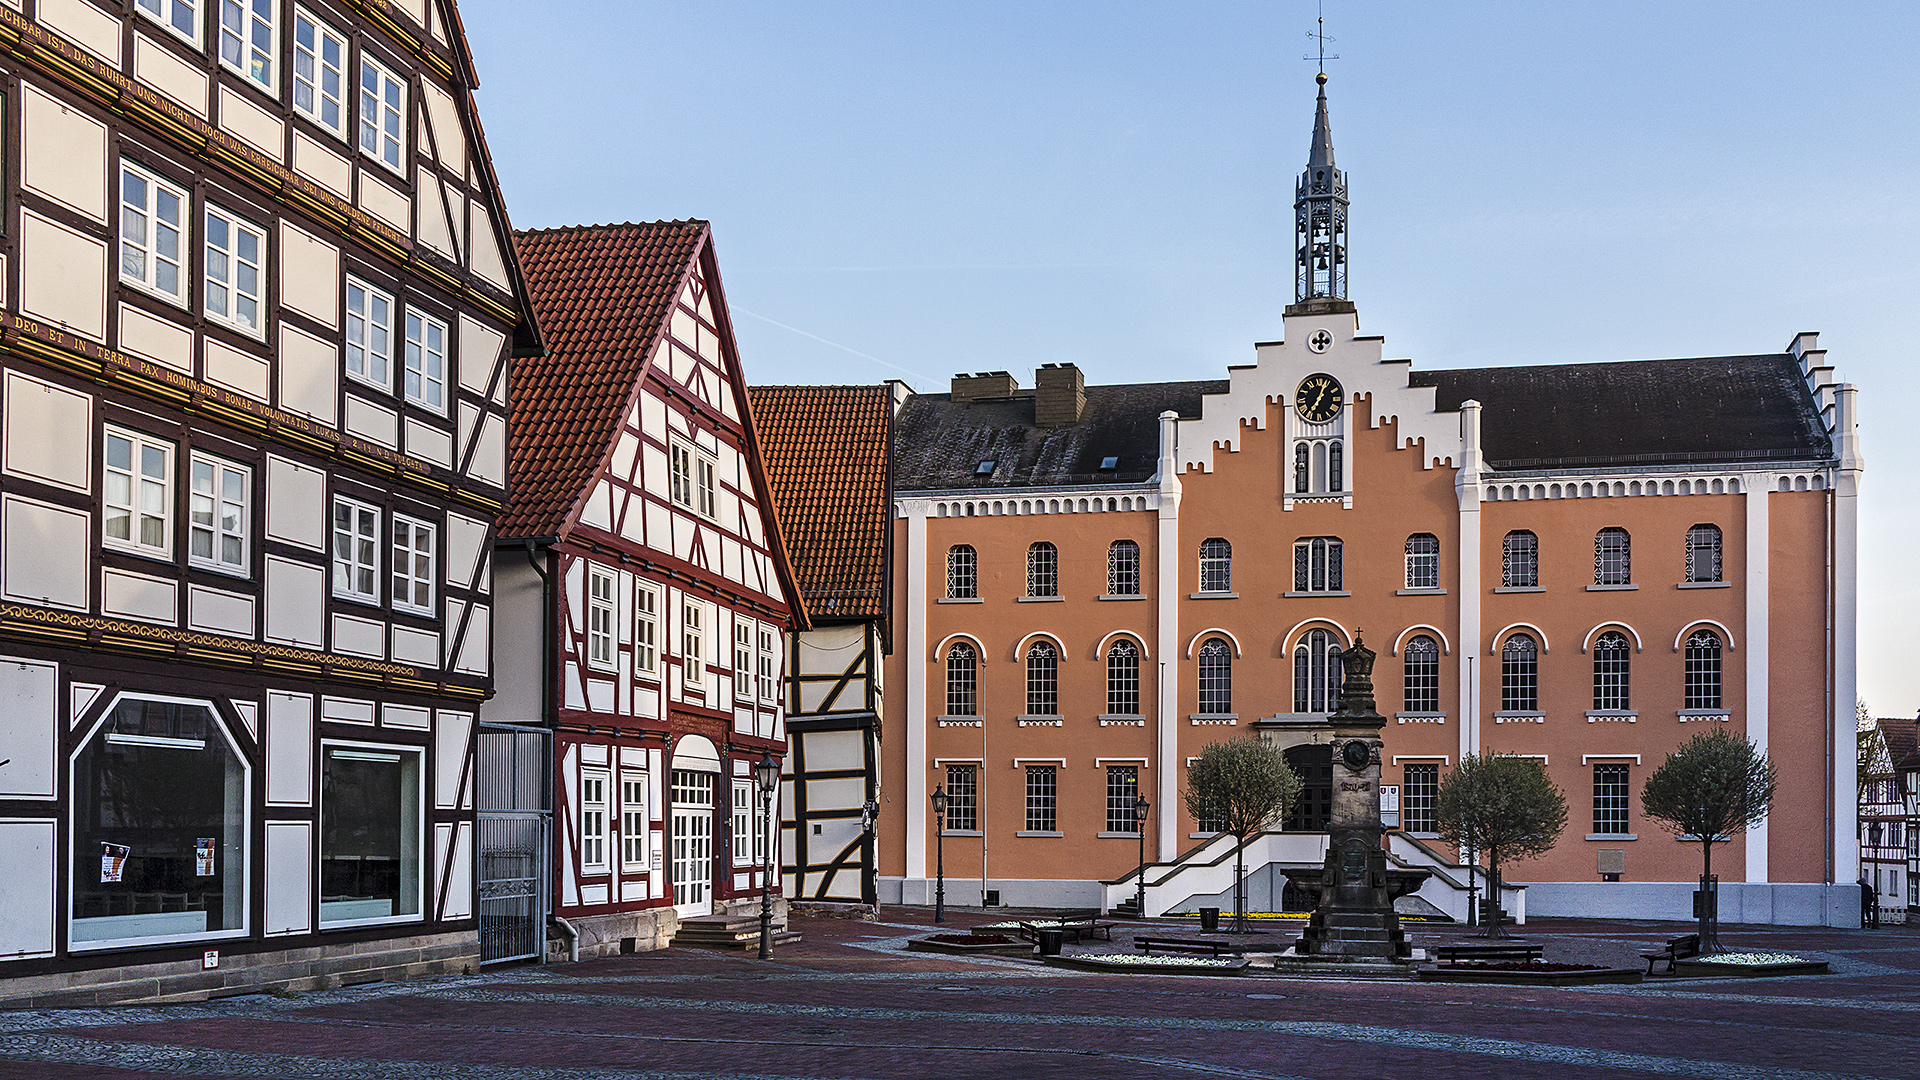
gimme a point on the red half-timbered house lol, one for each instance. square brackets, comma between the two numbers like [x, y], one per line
[643, 589]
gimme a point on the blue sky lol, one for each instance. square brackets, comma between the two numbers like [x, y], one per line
[910, 189]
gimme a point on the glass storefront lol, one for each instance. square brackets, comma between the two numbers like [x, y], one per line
[369, 834]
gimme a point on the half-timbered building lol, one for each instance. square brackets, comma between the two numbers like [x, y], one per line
[643, 588]
[259, 302]
[827, 449]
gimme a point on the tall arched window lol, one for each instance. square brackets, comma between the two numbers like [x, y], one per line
[1043, 679]
[963, 572]
[1420, 675]
[963, 666]
[1612, 557]
[1316, 673]
[1423, 561]
[1123, 568]
[1302, 469]
[1216, 565]
[1317, 565]
[1336, 466]
[1703, 671]
[1216, 677]
[1043, 570]
[1123, 679]
[1703, 553]
[1520, 561]
[1520, 675]
[1610, 671]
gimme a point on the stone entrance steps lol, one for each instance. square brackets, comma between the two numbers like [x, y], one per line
[729, 932]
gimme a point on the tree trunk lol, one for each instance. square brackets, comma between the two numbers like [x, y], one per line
[1240, 886]
[1493, 894]
[1709, 940]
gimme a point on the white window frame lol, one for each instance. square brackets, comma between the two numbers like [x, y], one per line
[742, 660]
[369, 354]
[693, 645]
[236, 227]
[692, 473]
[769, 665]
[362, 512]
[152, 9]
[743, 823]
[216, 529]
[646, 630]
[602, 587]
[422, 360]
[136, 484]
[149, 250]
[423, 869]
[592, 817]
[403, 573]
[322, 34]
[705, 485]
[243, 67]
[635, 828]
[383, 139]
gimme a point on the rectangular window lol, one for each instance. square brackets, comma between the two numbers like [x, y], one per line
[1420, 675]
[153, 215]
[703, 470]
[236, 279]
[600, 608]
[1216, 566]
[356, 557]
[413, 564]
[593, 821]
[319, 73]
[1423, 561]
[425, 378]
[181, 17]
[1612, 557]
[1421, 784]
[769, 665]
[646, 630]
[383, 107]
[760, 834]
[247, 40]
[691, 477]
[1042, 801]
[1610, 799]
[1123, 786]
[963, 573]
[1123, 568]
[369, 334]
[371, 808]
[693, 647]
[1317, 565]
[742, 823]
[1520, 561]
[138, 515]
[217, 514]
[633, 822]
[742, 660]
[963, 798]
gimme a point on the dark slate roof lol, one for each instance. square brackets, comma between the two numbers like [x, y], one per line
[825, 449]
[1638, 412]
[938, 442]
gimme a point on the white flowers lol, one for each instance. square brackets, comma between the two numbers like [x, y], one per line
[1126, 960]
[1754, 959]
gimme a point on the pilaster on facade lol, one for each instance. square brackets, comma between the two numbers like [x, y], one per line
[1167, 636]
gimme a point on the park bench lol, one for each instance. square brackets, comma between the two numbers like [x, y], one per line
[1190, 946]
[1676, 949]
[1084, 924]
[1454, 954]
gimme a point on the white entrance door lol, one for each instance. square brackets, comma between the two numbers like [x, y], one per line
[692, 842]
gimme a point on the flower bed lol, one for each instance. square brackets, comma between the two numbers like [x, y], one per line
[1749, 965]
[1537, 974]
[1148, 965]
[971, 945]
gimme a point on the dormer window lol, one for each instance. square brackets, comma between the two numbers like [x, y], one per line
[985, 468]
[1108, 464]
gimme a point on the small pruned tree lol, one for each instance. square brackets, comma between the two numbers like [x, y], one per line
[1503, 805]
[1243, 787]
[1715, 785]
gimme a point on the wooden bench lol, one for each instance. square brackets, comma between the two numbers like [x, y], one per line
[1676, 949]
[1454, 954]
[1190, 946]
[1085, 924]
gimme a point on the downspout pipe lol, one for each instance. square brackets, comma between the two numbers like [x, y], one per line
[567, 931]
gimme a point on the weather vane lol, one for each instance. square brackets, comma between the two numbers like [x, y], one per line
[1318, 35]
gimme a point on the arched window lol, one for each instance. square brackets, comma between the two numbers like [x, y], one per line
[1123, 568]
[1336, 466]
[1317, 564]
[1610, 671]
[1520, 675]
[1612, 557]
[963, 572]
[1302, 469]
[963, 666]
[1123, 679]
[1520, 561]
[1420, 675]
[1043, 570]
[1703, 671]
[1216, 565]
[1423, 561]
[1216, 677]
[1316, 673]
[1703, 553]
[1043, 679]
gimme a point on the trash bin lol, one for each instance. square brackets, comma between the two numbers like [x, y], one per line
[1051, 940]
[1209, 918]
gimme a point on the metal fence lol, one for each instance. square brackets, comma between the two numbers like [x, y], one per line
[515, 823]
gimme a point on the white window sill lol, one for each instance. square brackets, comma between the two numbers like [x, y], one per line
[1119, 836]
[958, 721]
[374, 602]
[1703, 714]
[1121, 596]
[1039, 599]
[1310, 595]
[238, 573]
[1421, 717]
[959, 600]
[1704, 585]
[1043, 834]
[1629, 715]
[1419, 592]
[1518, 588]
[961, 832]
[1519, 718]
[1229, 719]
[1611, 588]
[1202, 835]
[1050, 720]
[1213, 596]
[1613, 836]
[1122, 720]
[152, 554]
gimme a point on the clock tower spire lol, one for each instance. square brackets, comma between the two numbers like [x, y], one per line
[1320, 223]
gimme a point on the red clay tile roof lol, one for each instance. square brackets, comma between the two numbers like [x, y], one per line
[1903, 739]
[826, 450]
[601, 294]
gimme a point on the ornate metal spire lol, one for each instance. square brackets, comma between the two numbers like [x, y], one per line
[1320, 216]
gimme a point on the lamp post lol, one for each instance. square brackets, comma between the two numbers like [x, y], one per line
[1140, 808]
[767, 772]
[940, 854]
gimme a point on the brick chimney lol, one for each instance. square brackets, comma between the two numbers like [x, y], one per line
[983, 384]
[1060, 395]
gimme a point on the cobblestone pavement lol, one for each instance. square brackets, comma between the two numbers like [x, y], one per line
[849, 1001]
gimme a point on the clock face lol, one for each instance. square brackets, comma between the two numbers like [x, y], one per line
[1319, 398]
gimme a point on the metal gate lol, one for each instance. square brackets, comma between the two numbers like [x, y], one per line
[515, 822]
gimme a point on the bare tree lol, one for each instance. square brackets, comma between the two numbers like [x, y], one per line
[1243, 787]
[1715, 785]
[1503, 805]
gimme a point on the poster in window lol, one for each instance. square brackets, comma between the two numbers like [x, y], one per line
[113, 861]
[203, 857]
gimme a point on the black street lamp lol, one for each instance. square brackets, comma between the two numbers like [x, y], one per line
[767, 772]
[940, 854]
[1140, 808]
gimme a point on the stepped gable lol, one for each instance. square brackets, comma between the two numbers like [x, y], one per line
[825, 450]
[602, 294]
[1640, 412]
